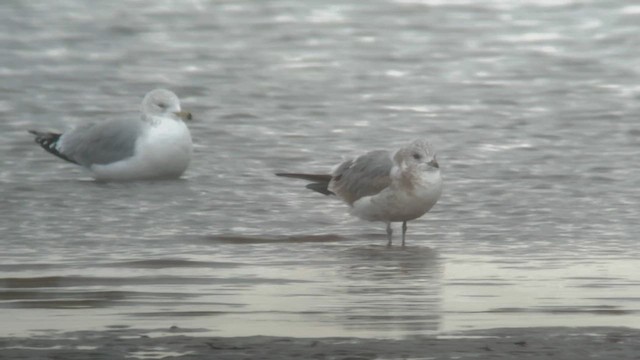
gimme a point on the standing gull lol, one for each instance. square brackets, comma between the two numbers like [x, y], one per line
[384, 186]
[155, 146]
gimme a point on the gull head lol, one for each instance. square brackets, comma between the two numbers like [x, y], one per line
[418, 155]
[162, 102]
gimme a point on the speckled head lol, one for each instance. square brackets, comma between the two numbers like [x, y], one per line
[419, 153]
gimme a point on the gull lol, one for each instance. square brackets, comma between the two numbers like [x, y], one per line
[384, 186]
[155, 146]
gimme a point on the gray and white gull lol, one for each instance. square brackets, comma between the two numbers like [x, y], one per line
[384, 186]
[155, 146]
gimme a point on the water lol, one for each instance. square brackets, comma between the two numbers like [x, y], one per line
[532, 105]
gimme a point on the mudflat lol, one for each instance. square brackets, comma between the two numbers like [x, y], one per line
[175, 343]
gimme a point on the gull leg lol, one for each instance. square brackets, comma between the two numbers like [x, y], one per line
[389, 233]
[404, 231]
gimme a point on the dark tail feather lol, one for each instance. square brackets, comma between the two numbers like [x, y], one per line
[322, 188]
[49, 141]
[320, 182]
[310, 177]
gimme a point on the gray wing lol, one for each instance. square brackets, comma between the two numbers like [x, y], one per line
[101, 143]
[363, 176]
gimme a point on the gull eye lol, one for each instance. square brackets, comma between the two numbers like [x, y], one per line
[162, 105]
[417, 156]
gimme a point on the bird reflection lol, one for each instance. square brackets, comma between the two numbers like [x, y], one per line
[392, 289]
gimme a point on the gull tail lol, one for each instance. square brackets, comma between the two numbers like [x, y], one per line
[49, 142]
[320, 183]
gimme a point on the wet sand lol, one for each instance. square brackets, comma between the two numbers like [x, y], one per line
[176, 343]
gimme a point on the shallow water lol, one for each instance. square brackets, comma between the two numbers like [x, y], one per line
[532, 105]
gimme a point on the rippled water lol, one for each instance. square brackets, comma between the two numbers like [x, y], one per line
[532, 105]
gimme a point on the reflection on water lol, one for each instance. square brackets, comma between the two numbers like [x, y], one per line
[235, 239]
[541, 291]
[398, 289]
[366, 290]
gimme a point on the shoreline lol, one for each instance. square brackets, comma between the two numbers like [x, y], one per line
[503, 343]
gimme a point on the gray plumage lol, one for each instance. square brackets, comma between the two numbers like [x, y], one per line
[101, 143]
[353, 179]
[363, 176]
[89, 144]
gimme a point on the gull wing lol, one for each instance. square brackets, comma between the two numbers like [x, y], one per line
[101, 143]
[363, 176]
